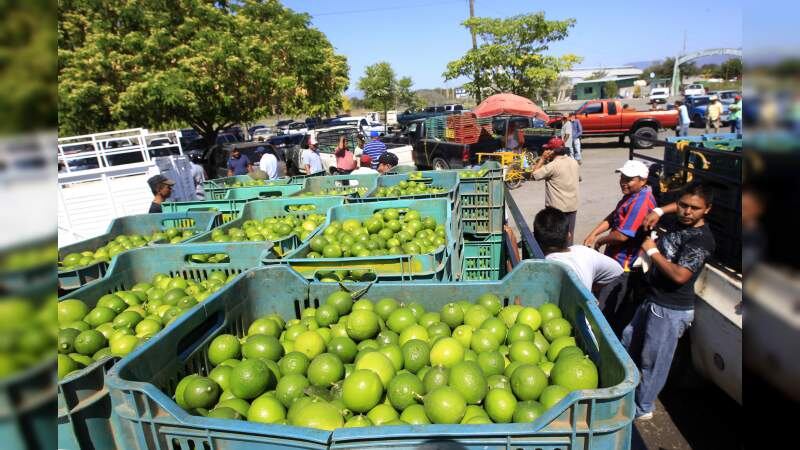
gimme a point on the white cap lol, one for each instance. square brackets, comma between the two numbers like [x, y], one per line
[633, 168]
[713, 97]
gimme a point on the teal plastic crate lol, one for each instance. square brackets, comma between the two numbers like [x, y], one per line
[28, 398]
[147, 418]
[435, 266]
[444, 180]
[262, 209]
[479, 259]
[261, 192]
[480, 206]
[142, 224]
[83, 402]
[314, 185]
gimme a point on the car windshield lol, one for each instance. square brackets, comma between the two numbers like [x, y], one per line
[700, 101]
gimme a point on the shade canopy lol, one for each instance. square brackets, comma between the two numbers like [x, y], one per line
[509, 104]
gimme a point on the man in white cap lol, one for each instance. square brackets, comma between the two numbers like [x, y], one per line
[625, 234]
[714, 114]
[310, 159]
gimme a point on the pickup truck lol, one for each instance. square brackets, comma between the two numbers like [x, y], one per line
[610, 118]
[440, 154]
[410, 115]
[698, 107]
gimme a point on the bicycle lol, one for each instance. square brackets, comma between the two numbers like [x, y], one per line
[517, 166]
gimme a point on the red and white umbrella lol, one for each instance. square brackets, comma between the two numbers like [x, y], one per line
[510, 104]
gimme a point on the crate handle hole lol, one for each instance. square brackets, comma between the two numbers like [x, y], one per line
[269, 194]
[208, 258]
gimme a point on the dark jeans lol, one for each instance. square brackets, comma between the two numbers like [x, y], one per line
[651, 339]
[571, 216]
[619, 299]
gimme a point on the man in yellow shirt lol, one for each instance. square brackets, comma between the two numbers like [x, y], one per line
[714, 114]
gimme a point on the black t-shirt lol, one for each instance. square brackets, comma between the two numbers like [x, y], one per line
[155, 208]
[688, 247]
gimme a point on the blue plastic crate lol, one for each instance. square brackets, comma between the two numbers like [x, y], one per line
[28, 398]
[262, 209]
[479, 259]
[147, 418]
[435, 266]
[253, 192]
[142, 224]
[83, 403]
[444, 180]
[314, 185]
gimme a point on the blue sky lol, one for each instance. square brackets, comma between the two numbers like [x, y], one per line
[418, 38]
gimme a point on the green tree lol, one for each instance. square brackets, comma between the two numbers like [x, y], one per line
[379, 86]
[28, 72]
[511, 56]
[731, 68]
[611, 89]
[405, 96]
[209, 64]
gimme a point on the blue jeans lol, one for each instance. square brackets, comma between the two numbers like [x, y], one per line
[576, 149]
[736, 127]
[651, 339]
[683, 130]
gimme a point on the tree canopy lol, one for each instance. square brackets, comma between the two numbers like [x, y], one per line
[209, 64]
[511, 56]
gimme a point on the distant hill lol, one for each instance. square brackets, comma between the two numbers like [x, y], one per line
[713, 59]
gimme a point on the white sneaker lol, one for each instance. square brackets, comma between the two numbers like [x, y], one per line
[645, 416]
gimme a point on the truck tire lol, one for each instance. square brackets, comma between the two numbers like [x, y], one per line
[642, 137]
[438, 163]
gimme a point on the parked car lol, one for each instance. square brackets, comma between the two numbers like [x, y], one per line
[297, 128]
[261, 134]
[694, 89]
[698, 107]
[454, 108]
[410, 115]
[726, 97]
[253, 129]
[659, 95]
[610, 118]
[236, 131]
[364, 125]
[283, 126]
[226, 138]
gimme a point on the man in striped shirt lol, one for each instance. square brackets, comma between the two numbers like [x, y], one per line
[375, 148]
[624, 238]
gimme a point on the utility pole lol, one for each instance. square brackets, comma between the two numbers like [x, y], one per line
[474, 46]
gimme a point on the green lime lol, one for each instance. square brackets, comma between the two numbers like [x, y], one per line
[500, 405]
[378, 363]
[468, 379]
[362, 390]
[181, 388]
[222, 412]
[310, 343]
[552, 394]
[556, 328]
[531, 317]
[290, 388]
[560, 344]
[495, 327]
[416, 355]
[294, 363]
[326, 315]
[113, 302]
[524, 352]
[266, 326]
[415, 415]
[483, 341]
[362, 324]
[325, 370]
[71, 310]
[123, 344]
[222, 376]
[66, 365]
[400, 319]
[385, 306]
[266, 409]
[491, 302]
[382, 414]
[66, 340]
[491, 363]
[262, 346]
[445, 405]
[575, 374]
[435, 377]
[79, 325]
[201, 392]
[476, 315]
[549, 312]
[236, 404]
[417, 332]
[405, 390]
[528, 411]
[358, 421]
[127, 319]
[528, 382]
[99, 315]
[447, 352]
[89, 342]
[320, 415]
[519, 332]
[251, 378]
[452, 315]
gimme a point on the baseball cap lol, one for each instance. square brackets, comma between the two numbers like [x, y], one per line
[633, 168]
[738, 97]
[365, 160]
[554, 142]
[155, 180]
[713, 97]
[374, 134]
[388, 158]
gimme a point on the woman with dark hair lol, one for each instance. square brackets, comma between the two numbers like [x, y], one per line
[345, 162]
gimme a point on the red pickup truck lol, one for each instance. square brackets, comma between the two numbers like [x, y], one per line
[610, 118]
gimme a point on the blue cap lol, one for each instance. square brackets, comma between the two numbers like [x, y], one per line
[374, 134]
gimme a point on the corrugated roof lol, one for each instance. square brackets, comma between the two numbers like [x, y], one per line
[605, 79]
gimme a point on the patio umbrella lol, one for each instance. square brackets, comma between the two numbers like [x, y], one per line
[511, 104]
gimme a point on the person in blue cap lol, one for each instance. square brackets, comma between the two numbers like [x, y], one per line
[375, 148]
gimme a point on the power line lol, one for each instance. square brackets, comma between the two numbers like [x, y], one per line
[390, 8]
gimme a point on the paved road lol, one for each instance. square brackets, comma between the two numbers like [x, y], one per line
[697, 416]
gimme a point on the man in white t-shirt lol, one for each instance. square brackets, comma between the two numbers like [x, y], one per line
[310, 159]
[268, 163]
[594, 269]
